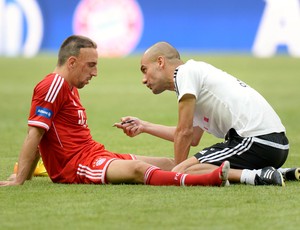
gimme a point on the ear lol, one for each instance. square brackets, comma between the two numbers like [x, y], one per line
[161, 61]
[71, 62]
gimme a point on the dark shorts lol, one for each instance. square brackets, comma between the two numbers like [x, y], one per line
[247, 152]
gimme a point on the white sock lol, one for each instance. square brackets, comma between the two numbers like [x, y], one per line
[248, 176]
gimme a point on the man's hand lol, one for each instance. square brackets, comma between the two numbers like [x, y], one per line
[11, 181]
[28, 158]
[131, 126]
[12, 177]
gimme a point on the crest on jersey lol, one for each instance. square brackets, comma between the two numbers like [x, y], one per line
[98, 162]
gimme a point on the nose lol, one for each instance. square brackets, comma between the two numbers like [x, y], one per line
[144, 80]
[95, 72]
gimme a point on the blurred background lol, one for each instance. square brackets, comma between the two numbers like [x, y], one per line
[257, 41]
[261, 28]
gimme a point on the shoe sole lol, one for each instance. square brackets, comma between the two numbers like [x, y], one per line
[297, 173]
[282, 180]
[224, 175]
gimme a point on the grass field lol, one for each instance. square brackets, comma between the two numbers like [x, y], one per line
[116, 92]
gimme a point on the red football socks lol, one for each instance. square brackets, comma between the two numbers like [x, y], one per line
[156, 176]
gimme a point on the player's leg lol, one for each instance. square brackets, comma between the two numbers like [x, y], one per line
[126, 171]
[163, 163]
[192, 166]
[108, 167]
[245, 155]
[135, 171]
[265, 176]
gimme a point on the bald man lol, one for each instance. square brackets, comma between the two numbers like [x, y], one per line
[213, 101]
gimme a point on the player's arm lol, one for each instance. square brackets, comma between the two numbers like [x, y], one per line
[28, 158]
[167, 132]
[133, 126]
[161, 131]
[184, 132]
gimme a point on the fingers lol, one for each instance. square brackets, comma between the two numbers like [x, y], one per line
[130, 129]
[125, 120]
[131, 126]
[10, 180]
[12, 177]
[121, 124]
[6, 183]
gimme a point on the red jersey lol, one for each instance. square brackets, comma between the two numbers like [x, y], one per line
[67, 141]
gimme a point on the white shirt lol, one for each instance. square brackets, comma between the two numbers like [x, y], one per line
[224, 102]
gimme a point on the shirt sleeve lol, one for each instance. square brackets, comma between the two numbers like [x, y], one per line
[188, 81]
[46, 100]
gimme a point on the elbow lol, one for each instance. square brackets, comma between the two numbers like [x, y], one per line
[186, 134]
[195, 142]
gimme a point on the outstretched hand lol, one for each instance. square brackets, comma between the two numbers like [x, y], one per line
[11, 181]
[131, 126]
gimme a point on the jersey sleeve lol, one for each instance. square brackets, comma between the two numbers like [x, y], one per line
[188, 81]
[46, 100]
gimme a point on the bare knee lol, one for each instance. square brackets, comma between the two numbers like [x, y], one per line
[138, 171]
[180, 169]
[166, 164]
[163, 163]
[126, 171]
[185, 166]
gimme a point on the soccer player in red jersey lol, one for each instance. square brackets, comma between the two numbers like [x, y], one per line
[58, 132]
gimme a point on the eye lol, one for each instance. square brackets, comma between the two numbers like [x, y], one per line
[92, 64]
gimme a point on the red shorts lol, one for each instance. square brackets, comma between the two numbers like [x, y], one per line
[93, 169]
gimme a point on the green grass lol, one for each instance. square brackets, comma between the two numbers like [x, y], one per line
[117, 92]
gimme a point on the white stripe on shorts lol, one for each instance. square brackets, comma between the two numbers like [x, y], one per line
[223, 154]
[93, 174]
[271, 144]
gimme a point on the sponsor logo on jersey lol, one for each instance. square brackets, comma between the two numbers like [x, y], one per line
[44, 112]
